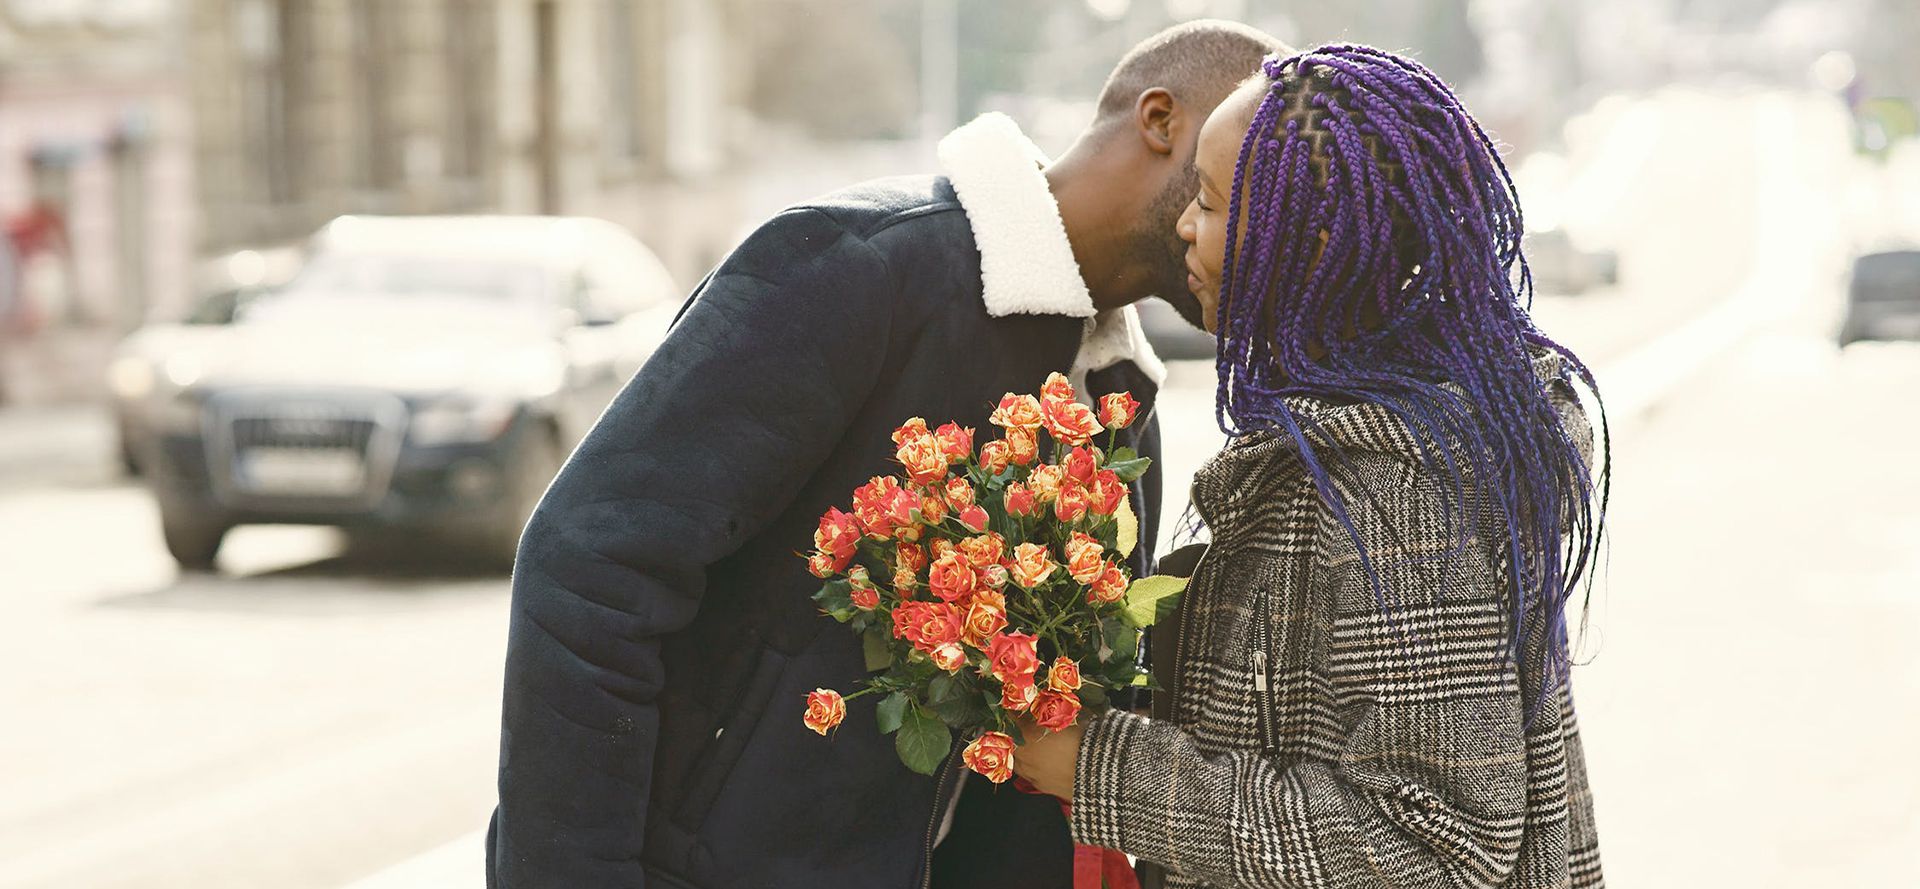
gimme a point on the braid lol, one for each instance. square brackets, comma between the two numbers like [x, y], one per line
[1380, 262]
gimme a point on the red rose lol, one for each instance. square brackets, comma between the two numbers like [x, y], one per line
[1070, 422]
[825, 709]
[1084, 556]
[952, 577]
[1057, 388]
[914, 428]
[959, 493]
[1072, 503]
[984, 619]
[974, 517]
[825, 565]
[1110, 588]
[1081, 465]
[996, 456]
[910, 556]
[1031, 565]
[1106, 493]
[956, 443]
[1056, 710]
[1020, 500]
[922, 457]
[933, 510]
[984, 550]
[1117, 410]
[1018, 695]
[872, 504]
[839, 532]
[1013, 656]
[1064, 676]
[949, 657]
[1023, 445]
[991, 755]
[1017, 412]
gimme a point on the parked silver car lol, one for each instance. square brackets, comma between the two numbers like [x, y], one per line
[420, 374]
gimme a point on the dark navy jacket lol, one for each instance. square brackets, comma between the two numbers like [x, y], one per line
[662, 638]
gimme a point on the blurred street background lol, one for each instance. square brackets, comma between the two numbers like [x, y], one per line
[1723, 200]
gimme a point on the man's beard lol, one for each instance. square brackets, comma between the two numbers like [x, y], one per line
[1157, 238]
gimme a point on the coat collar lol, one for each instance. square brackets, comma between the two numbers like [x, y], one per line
[1026, 262]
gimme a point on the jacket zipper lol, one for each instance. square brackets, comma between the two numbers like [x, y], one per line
[933, 822]
[1263, 644]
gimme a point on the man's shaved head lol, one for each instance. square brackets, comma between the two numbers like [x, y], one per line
[1198, 62]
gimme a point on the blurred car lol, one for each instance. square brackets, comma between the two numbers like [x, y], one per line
[224, 284]
[419, 374]
[1883, 297]
[1562, 268]
[1172, 337]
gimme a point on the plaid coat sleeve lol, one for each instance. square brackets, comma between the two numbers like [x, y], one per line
[1424, 780]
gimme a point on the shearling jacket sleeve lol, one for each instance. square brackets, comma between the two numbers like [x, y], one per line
[750, 391]
[1423, 783]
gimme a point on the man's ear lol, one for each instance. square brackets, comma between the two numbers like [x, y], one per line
[1153, 115]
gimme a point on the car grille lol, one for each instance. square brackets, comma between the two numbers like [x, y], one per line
[310, 450]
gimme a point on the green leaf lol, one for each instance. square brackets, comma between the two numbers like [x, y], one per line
[923, 741]
[1126, 528]
[956, 700]
[878, 652]
[1144, 597]
[1121, 455]
[1122, 639]
[1128, 470]
[1145, 680]
[890, 712]
[836, 596]
[1092, 696]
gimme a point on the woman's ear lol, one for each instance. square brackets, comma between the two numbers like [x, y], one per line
[1153, 116]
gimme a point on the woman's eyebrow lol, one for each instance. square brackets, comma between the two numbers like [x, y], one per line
[1207, 180]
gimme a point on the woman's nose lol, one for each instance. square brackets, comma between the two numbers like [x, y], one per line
[1185, 226]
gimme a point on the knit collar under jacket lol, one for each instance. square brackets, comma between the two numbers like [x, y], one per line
[1026, 262]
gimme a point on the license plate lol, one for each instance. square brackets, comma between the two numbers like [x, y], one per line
[303, 471]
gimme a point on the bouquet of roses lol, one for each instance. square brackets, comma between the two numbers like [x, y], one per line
[986, 586]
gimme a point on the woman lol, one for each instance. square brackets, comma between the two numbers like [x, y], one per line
[1371, 682]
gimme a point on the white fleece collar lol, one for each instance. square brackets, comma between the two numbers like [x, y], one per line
[1026, 262]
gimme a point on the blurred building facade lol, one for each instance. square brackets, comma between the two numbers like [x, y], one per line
[307, 109]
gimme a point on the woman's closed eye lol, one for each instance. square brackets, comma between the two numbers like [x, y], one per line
[1200, 200]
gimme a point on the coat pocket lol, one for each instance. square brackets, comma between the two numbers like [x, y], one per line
[715, 764]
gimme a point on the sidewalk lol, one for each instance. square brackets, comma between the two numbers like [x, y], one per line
[47, 445]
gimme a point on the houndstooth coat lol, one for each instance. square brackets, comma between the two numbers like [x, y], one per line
[1315, 742]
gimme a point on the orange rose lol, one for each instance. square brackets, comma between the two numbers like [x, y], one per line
[1045, 482]
[984, 550]
[955, 442]
[924, 460]
[1013, 656]
[949, 657]
[839, 532]
[864, 594]
[1110, 588]
[914, 428]
[1056, 710]
[996, 456]
[1080, 465]
[1084, 558]
[928, 625]
[938, 547]
[1057, 388]
[1118, 409]
[959, 493]
[871, 506]
[1072, 503]
[993, 599]
[1018, 695]
[933, 510]
[1071, 422]
[991, 755]
[983, 621]
[910, 556]
[952, 577]
[824, 565]
[1023, 446]
[1031, 565]
[825, 709]
[904, 580]
[1019, 500]
[975, 518]
[1106, 493]
[1064, 676]
[1017, 412]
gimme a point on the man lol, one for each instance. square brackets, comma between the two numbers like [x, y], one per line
[663, 637]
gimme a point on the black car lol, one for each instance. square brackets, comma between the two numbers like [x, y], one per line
[422, 374]
[1883, 298]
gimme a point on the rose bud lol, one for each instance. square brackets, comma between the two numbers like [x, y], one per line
[1110, 588]
[974, 517]
[955, 442]
[1018, 695]
[910, 556]
[1084, 558]
[996, 456]
[1071, 422]
[1017, 412]
[1020, 500]
[1031, 565]
[1072, 503]
[1056, 710]
[1013, 656]
[952, 577]
[1023, 446]
[904, 580]
[949, 657]
[900, 507]
[984, 550]
[1107, 493]
[1118, 409]
[1045, 482]
[1064, 676]
[933, 510]
[993, 577]
[865, 598]
[825, 709]
[983, 621]
[914, 428]
[959, 493]
[1081, 465]
[1057, 388]
[991, 755]
[824, 565]
[923, 459]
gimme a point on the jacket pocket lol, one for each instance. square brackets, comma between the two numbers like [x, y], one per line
[714, 765]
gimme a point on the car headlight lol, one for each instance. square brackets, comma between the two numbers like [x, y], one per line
[130, 377]
[461, 421]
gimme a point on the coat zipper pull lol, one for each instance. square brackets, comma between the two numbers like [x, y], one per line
[1260, 671]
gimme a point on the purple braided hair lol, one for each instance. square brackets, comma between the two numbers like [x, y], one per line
[1378, 265]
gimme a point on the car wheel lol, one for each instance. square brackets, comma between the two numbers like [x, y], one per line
[539, 461]
[192, 540]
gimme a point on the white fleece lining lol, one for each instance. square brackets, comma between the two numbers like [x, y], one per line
[1026, 262]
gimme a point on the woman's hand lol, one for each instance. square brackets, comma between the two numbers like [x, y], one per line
[1047, 759]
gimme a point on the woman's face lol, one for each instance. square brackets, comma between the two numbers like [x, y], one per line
[1204, 224]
